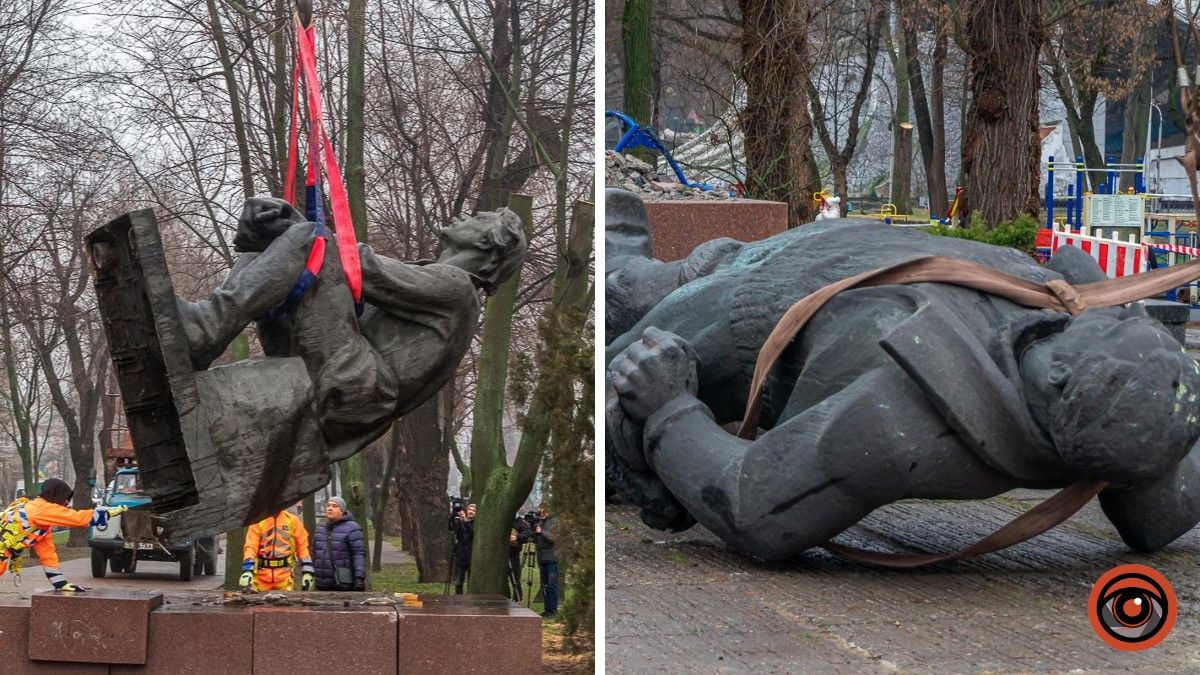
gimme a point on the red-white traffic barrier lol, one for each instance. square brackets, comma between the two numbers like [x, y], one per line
[1116, 258]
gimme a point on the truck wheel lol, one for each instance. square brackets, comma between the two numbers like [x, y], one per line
[187, 563]
[99, 563]
[208, 554]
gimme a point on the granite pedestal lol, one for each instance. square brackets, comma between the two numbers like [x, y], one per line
[680, 225]
[100, 626]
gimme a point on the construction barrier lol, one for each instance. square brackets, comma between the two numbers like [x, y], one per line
[1116, 258]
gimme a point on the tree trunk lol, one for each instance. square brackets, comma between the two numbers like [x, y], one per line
[1133, 143]
[1080, 106]
[841, 186]
[931, 149]
[902, 136]
[507, 487]
[900, 188]
[498, 120]
[1001, 146]
[355, 487]
[776, 123]
[279, 112]
[638, 60]
[381, 502]
[935, 173]
[235, 106]
[489, 464]
[422, 468]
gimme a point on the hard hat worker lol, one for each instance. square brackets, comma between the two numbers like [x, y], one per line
[272, 547]
[26, 523]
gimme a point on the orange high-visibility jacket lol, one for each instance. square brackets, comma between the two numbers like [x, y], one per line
[44, 515]
[279, 536]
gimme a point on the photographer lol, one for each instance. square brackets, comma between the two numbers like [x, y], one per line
[520, 534]
[462, 523]
[547, 555]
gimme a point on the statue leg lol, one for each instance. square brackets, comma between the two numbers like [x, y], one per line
[257, 283]
[1152, 515]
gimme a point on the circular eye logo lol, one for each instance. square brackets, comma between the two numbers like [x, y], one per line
[1132, 607]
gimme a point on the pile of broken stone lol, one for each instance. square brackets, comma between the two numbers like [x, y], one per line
[629, 172]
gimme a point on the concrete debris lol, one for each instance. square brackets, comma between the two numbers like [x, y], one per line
[633, 174]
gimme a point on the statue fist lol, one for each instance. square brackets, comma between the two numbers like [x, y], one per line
[652, 371]
[263, 219]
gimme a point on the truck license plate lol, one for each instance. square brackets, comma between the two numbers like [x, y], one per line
[140, 546]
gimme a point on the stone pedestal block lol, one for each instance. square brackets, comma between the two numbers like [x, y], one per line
[189, 640]
[466, 635]
[100, 626]
[14, 645]
[321, 640]
[679, 225]
[1173, 315]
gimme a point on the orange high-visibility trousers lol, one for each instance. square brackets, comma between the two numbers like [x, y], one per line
[278, 579]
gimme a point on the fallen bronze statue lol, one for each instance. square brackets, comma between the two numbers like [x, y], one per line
[225, 446]
[867, 364]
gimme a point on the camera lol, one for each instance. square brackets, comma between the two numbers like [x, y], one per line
[457, 506]
[533, 519]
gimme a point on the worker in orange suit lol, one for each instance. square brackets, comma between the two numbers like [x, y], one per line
[273, 545]
[27, 523]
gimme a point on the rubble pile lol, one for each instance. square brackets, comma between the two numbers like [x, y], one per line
[629, 172]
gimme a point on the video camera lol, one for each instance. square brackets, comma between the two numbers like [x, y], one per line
[533, 519]
[457, 506]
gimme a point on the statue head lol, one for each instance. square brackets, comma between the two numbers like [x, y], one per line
[1120, 395]
[489, 245]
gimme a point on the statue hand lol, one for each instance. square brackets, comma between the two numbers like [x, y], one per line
[263, 219]
[652, 371]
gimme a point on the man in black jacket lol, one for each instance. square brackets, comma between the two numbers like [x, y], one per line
[463, 526]
[547, 553]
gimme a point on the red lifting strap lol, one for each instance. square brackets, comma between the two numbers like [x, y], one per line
[343, 224]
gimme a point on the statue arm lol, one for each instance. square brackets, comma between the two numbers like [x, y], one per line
[1152, 515]
[409, 288]
[797, 485]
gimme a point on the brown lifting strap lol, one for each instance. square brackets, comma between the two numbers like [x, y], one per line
[1056, 295]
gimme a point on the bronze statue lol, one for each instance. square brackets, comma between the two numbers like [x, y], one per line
[925, 390]
[223, 446]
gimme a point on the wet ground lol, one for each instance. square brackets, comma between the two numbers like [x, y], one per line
[685, 603]
[150, 576]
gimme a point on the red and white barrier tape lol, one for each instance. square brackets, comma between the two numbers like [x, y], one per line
[1174, 248]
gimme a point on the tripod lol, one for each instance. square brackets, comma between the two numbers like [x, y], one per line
[450, 570]
[529, 559]
[514, 575]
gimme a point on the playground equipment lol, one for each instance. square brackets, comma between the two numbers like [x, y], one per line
[638, 136]
[1075, 191]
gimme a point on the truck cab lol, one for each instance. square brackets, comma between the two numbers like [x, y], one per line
[110, 549]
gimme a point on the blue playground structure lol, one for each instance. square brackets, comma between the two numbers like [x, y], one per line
[636, 136]
[1074, 218]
